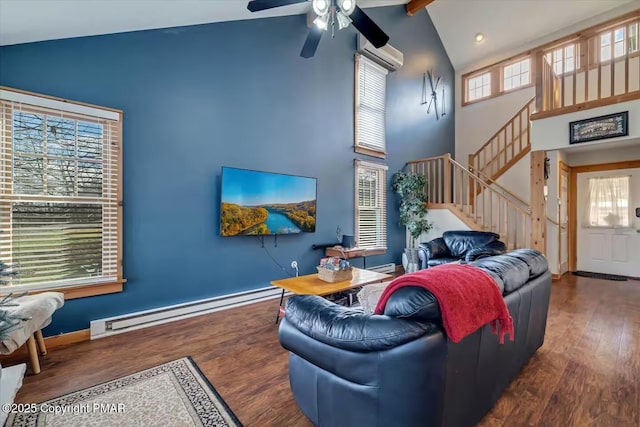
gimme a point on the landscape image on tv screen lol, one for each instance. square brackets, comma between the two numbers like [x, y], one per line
[263, 203]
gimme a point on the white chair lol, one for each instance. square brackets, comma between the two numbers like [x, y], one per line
[38, 309]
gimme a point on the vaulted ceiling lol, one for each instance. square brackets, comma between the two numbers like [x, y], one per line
[506, 24]
[23, 21]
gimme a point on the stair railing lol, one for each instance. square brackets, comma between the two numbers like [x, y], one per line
[508, 145]
[438, 173]
[453, 186]
[503, 190]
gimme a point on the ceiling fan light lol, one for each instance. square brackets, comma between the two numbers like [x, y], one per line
[347, 6]
[343, 20]
[321, 7]
[322, 22]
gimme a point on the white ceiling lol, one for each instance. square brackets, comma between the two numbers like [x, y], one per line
[23, 21]
[506, 24]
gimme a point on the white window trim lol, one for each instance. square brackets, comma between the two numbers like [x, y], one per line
[379, 152]
[60, 284]
[113, 115]
[55, 104]
[382, 167]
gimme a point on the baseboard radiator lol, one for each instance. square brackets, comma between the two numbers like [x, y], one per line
[384, 268]
[143, 319]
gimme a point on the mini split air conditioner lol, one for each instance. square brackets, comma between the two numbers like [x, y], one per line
[387, 56]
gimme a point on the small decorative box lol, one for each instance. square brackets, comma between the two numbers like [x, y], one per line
[333, 276]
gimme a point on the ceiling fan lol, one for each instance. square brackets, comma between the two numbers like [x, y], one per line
[344, 12]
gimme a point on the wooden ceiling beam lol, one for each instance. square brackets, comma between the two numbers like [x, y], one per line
[415, 5]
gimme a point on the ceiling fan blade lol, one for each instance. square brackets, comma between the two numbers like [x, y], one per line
[258, 5]
[368, 28]
[311, 43]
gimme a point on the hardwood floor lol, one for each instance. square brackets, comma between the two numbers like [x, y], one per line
[586, 374]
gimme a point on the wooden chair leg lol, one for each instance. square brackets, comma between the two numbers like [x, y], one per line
[33, 355]
[40, 339]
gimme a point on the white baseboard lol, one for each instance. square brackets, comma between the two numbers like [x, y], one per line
[144, 319]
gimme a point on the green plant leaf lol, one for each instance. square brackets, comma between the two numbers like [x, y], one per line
[412, 189]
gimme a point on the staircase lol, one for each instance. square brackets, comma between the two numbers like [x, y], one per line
[508, 145]
[480, 205]
[473, 194]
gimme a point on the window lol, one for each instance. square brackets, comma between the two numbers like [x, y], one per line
[370, 111]
[608, 202]
[633, 37]
[579, 52]
[59, 192]
[479, 87]
[563, 60]
[605, 47]
[371, 205]
[497, 79]
[516, 75]
[619, 42]
[569, 58]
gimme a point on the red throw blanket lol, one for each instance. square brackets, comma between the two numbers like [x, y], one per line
[468, 299]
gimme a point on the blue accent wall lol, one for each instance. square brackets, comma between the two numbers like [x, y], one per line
[234, 94]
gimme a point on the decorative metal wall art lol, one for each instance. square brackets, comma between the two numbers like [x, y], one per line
[430, 97]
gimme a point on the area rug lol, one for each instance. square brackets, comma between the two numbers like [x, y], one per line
[600, 276]
[174, 394]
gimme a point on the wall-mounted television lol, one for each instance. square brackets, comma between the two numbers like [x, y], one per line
[264, 203]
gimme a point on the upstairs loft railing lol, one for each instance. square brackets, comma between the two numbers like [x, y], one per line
[451, 185]
[598, 67]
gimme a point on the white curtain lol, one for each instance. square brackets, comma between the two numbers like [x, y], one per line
[607, 203]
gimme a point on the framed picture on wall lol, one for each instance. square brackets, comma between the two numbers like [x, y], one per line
[602, 127]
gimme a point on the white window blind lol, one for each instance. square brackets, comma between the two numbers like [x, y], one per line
[370, 92]
[59, 192]
[371, 211]
[608, 203]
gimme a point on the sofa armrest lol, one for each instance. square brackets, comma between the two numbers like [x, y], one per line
[423, 256]
[435, 248]
[492, 249]
[350, 329]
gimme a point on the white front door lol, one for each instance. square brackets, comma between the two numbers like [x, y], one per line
[607, 248]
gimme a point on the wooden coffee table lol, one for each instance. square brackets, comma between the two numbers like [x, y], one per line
[310, 284]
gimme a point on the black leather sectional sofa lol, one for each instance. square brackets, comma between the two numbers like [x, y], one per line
[347, 368]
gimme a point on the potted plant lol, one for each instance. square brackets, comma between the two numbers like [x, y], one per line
[411, 187]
